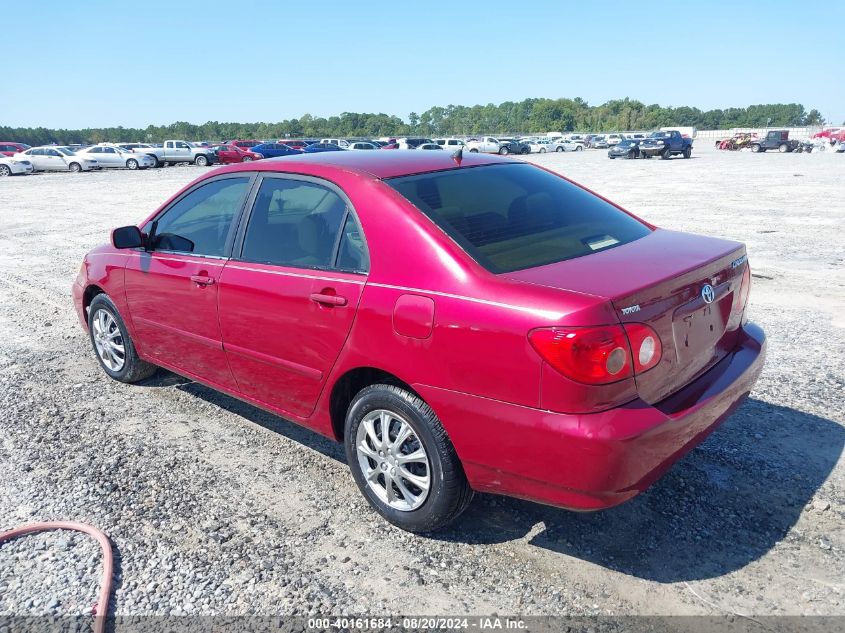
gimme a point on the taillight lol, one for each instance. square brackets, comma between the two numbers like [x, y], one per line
[598, 355]
[741, 296]
[645, 346]
[592, 355]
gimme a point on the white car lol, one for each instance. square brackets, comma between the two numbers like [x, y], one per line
[614, 139]
[14, 166]
[336, 141]
[562, 145]
[539, 146]
[453, 144]
[56, 158]
[429, 146]
[486, 145]
[113, 156]
[358, 145]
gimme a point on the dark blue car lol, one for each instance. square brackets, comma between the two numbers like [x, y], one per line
[323, 147]
[273, 150]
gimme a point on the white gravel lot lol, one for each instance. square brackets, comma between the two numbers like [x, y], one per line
[215, 507]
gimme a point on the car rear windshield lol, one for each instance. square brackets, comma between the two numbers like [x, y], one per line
[512, 217]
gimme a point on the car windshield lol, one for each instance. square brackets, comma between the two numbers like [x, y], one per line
[512, 217]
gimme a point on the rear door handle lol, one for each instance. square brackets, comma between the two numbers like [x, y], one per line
[329, 300]
[202, 280]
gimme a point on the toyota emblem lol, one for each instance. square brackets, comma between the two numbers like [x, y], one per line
[708, 294]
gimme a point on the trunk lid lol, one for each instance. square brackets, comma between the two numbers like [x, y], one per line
[658, 280]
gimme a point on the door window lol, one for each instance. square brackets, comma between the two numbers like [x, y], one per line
[294, 223]
[201, 222]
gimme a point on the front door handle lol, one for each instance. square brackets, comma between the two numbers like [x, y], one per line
[202, 280]
[329, 300]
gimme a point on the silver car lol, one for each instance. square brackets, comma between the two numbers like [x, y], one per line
[117, 157]
[56, 158]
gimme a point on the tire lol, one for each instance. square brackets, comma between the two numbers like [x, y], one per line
[448, 493]
[667, 154]
[246, 159]
[611, 157]
[131, 164]
[783, 148]
[559, 149]
[504, 151]
[75, 168]
[473, 151]
[5, 170]
[631, 155]
[201, 160]
[756, 148]
[105, 326]
[525, 150]
[155, 158]
[579, 148]
[687, 152]
[542, 150]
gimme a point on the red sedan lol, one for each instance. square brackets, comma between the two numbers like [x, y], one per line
[233, 154]
[10, 148]
[460, 325]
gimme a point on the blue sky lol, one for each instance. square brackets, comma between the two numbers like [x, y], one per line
[104, 63]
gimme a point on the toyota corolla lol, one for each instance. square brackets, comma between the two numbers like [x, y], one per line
[460, 323]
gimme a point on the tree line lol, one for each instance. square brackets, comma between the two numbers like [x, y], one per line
[528, 116]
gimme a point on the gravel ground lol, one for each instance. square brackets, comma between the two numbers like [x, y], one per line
[215, 507]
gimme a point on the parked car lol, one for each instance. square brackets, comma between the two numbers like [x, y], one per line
[116, 157]
[10, 166]
[563, 145]
[430, 146]
[774, 139]
[412, 142]
[9, 148]
[484, 145]
[361, 145]
[666, 144]
[507, 331]
[513, 146]
[599, 142]
[627, 148]
[175, 151]
[227, 154]
[323, 147]
[274, 150]
[539, 146]
[390, 146]
[56, 158]
[142, 148]
[294, 144]
[452, 144]
[614, 139]
[342, 143]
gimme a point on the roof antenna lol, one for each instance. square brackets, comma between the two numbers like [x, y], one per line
[458, 156]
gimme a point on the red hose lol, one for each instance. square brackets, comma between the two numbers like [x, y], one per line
[102, 607]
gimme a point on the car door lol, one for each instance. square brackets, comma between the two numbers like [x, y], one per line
[172, 285]
[289, 295]
[109, 157]
[54, 160]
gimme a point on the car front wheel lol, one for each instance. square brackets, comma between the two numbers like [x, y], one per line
[503, 150]
[201, 161]
[75, 167]
[112, 344]
[402, 460]
[5, 170]
[132, 164]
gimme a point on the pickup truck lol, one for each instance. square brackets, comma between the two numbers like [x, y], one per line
[665, 144]
[173, 152]
[485, 145]
[774, 139]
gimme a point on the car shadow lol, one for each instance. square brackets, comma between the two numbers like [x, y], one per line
[723, 506]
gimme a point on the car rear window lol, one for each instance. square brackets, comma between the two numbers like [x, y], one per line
[513, 217]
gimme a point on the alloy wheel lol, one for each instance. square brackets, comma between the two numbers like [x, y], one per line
[393, 460]
[108, 340]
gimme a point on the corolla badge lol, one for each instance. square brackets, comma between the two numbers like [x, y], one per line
[707, 293]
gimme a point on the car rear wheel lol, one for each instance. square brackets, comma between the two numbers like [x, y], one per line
[201, 160]
[132, 164]
[156, 161]
[687, 152]
[246, 159]
[755, 148]
[473, 151]
[112, 345]
[402, 460]
[558, 148]
[542, 150]
[5, 170]
[783, 148]
[579, 148]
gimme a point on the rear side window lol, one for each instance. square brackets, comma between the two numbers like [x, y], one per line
[294, 223]
[512, 217]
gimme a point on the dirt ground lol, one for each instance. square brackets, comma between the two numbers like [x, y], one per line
[216, 507]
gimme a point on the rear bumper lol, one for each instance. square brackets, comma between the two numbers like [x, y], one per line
[592, 461]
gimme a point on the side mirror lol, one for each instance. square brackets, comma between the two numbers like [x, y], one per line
[127, 237]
